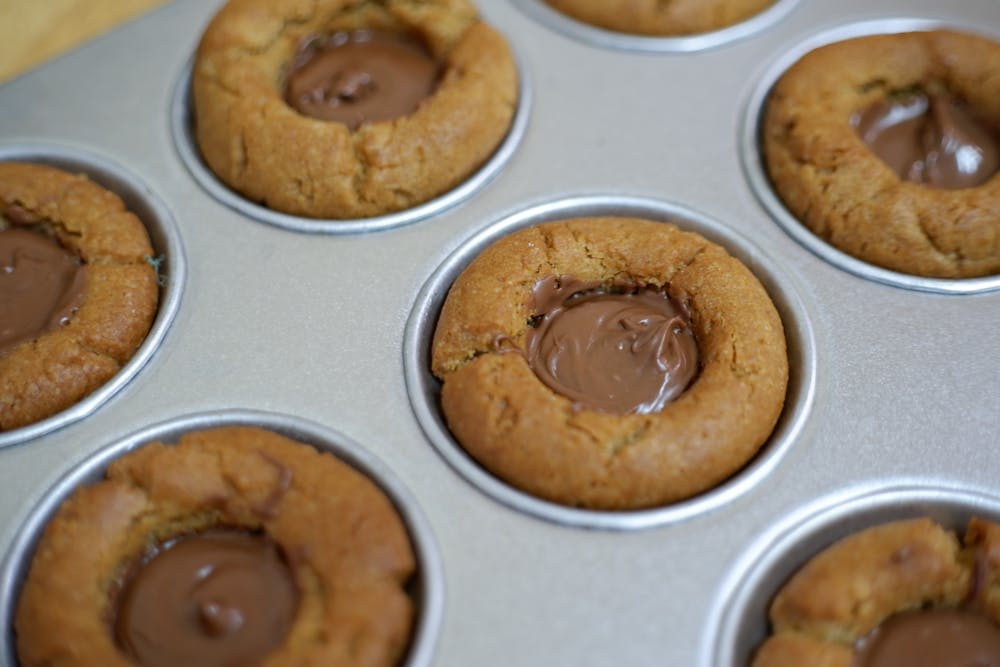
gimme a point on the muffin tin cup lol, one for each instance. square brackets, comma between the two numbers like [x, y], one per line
[756, 171]
[141, 200]
[424, 388]
[182, 125]
[739, 618]
[610, 39]
[429, 583]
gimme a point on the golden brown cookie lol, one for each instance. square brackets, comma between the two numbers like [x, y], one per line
[263, 148]
[837, 599]
[44, 375]
[543, 442]
[831, 181]
[346, 547]
[663, 19]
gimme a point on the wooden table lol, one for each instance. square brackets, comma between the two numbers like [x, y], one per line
[34, 31]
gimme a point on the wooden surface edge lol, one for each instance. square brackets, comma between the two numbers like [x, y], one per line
[33, 32]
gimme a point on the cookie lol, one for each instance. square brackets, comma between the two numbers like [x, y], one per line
[234, 546]
[651, 286]
[307, 107]
[850, 124]
[79, 286]
[891, 592]
[661, 19]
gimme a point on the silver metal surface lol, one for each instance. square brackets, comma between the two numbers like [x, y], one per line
[424, 389]
[905, 383]
[429, 583]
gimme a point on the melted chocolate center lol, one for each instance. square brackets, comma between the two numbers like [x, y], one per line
[616, 350]
[41, 285]
[360, 77]
[931, 638]
[930, 139]
[218, 598]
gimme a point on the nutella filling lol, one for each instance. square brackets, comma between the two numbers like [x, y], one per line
[620, 349]
[42, 285]
[931, 139]
[360, 77]
[212, 599]
[931, 638]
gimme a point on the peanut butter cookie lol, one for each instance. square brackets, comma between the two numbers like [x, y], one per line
[78, 291]
[900, 593]
[888, 146]
[662, 19]
[350, 108]
[610, 363]
[234, 546]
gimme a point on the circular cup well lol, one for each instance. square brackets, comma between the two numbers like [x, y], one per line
[756, 171]
[584, 32]
[739, 618]
[168, 256]
[428, 586]
[424, 388]
[182, 124]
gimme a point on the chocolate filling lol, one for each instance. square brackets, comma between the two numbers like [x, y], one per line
[932, 637]
[360, 77]
[617, 349]
[931, 138]
[219, 597]
[42, 284]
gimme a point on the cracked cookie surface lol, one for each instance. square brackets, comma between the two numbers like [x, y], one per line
[846, 591]
[344, 543]
[662, 18]
[261, 147]
[538, 440]
[832, 182]
[47, 374]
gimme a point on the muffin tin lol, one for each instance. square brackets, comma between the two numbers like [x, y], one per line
[895, 394]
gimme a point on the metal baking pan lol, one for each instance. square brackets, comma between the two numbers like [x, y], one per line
[895, 393]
